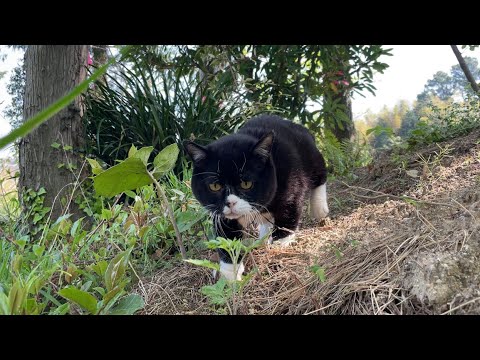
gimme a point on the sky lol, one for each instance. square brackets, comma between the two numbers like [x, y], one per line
[410, 68]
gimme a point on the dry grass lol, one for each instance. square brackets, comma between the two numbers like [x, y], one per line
[370, 249]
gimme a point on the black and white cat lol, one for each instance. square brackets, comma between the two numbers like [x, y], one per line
[262, 174]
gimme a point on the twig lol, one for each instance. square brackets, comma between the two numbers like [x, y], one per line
[460, 306]
[382, 194]
[162, 195]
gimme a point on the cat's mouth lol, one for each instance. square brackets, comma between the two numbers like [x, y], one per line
[233, 216]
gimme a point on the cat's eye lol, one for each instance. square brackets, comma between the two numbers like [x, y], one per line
[246, 185]
[215, 186]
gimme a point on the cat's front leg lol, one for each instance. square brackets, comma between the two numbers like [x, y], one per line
[287, 219]
[230, 229]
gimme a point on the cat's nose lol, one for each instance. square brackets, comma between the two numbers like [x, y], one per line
[230, 202]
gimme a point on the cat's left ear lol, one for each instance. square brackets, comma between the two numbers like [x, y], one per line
[195, 151]
[264, 146]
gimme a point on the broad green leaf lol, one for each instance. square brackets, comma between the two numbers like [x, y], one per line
[143, 154]
[186, 219]
[128, 175]
[128, 305]
[165, 160]
[82, 298]
[116, 269]
[55, 145]
[205, 263]
[96, 168]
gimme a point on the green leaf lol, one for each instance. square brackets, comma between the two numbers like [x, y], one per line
[75, 226]
[165, 160]
[38, 249]
[96, 168]
[82, 298]
[4, 309]
[61, 310]
[205, 263]
[128, 305]
[319, 271]
[130, 194]
[217, 293]
[128, 175]
[55, 145]
[106, 214]
[113, 293]
[16, 298]
[186, 219]
[30, 124]
[116, 269]
[143, 154]
[132, 151]
[67, 148]
[100, 267]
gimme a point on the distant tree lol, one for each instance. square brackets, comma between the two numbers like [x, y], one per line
[460, 79]
[441, 85]
[16, 89]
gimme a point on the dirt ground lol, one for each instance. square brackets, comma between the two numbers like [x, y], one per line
[403, 237]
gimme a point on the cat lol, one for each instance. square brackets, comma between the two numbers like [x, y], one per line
[263, 172]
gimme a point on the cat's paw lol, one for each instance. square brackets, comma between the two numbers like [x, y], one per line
[228, 271]
[286, 241]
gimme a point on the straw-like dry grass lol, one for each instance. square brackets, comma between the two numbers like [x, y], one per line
[410, 249]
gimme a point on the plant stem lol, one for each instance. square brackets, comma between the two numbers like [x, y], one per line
[162, 195]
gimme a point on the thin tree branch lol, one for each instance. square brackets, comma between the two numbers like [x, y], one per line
[466, 70]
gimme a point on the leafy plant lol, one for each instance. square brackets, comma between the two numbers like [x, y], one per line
[228, 293]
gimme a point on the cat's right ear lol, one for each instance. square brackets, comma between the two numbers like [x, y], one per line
[196, 152]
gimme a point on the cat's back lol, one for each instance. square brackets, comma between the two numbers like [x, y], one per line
[286, 132]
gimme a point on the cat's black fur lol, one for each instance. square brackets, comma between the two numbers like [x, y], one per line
[278, 156]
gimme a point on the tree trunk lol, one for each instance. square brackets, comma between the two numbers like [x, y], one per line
[51, 72]
[347, 128]
[466, 70]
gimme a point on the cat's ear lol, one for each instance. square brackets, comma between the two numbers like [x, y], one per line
[264, 146]
[195, 151]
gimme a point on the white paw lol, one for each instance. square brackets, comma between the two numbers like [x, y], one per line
[318, 203]
[231, 272]
[286, 241]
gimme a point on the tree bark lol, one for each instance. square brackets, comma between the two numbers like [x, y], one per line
[51, 72]
[346, 130]
[466, 70]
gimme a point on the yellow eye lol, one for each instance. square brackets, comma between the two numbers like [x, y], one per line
[215, 186]
[246, 185]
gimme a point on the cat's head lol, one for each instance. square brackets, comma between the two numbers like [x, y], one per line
[235, 175]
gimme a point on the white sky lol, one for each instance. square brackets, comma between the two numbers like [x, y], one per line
[410, 68]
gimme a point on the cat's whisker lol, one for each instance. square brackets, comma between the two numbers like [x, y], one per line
[205, 172]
